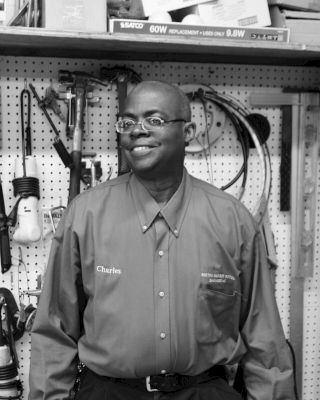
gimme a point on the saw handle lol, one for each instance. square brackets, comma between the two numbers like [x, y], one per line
[4, 236]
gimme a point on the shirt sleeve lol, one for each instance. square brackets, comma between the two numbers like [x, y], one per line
[267, 365]
[57, 325]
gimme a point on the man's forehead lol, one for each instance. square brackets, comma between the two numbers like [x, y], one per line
[153, 97]
[154, 88]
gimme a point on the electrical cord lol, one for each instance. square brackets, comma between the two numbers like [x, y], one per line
[195, 92]
[27, 186]
[8, 372]
[261, 205]
[209, 165]
[247, 132]
[244, 147]
[243, 142]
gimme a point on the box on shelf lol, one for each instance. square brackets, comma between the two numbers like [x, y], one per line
[231, 12]
[177, 29]
[75, 15]
[7, 11]
[303, 31]
[304, 5]
[151, 6]
[295, 14]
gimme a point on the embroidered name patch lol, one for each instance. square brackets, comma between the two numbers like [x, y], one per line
[109, 270]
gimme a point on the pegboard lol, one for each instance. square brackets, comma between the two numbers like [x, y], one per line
[216, 165]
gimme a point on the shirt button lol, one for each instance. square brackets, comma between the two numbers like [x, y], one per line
[144, 228]
[162, 335]
[161, 253]
[161, 294]
[175, 231]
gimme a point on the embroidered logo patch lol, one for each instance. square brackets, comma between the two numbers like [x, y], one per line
[216, 277]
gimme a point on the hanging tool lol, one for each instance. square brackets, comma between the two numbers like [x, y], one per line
[79, 86]
[50, 101]
[57, 142]
[122, 76]
[285, 163]
[5, 251]
[91, 170]
[50, 219]
[26, 182]
[55, 213]
[25, 95]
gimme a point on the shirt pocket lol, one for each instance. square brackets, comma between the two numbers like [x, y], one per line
[216, 313]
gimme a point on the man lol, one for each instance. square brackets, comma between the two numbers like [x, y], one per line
[156, 280]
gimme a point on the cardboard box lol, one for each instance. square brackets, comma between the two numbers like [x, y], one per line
[304, 5]
[151, 6]
[202, 32]
[75, 15]
[302, 31]
[233, 13]
[295, 14]
[7, 11]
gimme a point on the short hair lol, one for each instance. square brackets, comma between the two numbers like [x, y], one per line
[184, 101]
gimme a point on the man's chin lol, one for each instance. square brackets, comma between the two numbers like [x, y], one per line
[142, 164]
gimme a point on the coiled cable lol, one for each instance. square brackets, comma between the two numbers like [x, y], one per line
[247, 128]
[26, 186]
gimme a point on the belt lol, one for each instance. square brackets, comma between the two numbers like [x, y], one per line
[171, 382]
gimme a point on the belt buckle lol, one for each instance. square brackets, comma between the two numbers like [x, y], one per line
[149, 389]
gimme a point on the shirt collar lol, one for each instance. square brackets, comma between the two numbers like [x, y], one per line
[173, 212]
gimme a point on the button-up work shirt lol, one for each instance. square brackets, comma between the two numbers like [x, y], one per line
[135, 289]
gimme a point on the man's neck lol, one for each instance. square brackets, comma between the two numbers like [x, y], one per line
[162, 189]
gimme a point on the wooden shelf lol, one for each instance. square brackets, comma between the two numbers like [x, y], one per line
[38, 42]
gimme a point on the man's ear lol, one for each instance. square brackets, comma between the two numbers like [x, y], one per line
[189, 132]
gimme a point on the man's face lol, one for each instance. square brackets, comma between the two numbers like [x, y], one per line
[159, 151]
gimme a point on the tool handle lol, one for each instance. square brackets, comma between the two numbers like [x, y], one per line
[5, 251]
[43, 108]
[62, 152]
[285, 165]
[75, 175]
[4, 236]
[57, 144]
[28, 141]
[123, 166]
[75, 171]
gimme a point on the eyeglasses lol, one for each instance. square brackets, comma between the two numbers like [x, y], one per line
[127, 125]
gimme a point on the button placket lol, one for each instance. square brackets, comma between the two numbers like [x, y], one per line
[161, 285]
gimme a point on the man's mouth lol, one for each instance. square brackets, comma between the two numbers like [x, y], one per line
[138, 149]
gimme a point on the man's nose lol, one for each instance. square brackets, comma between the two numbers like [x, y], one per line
[139, 130]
